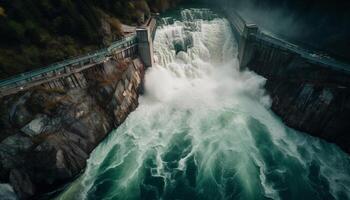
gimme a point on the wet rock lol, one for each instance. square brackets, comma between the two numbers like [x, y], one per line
[36, 126]
[21, 116]
[22, 184]
[16, 143]
[50, 133]
[319, 111]
[12, 151]
[56, 159]
[307, 96]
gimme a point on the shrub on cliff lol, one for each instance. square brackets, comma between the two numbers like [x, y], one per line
[116, 25]
[2, 12]
[162, 5]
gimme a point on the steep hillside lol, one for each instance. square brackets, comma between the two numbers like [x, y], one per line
[35, 33]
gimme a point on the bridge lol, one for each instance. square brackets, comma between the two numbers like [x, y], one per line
[251, 41]
[139, 43]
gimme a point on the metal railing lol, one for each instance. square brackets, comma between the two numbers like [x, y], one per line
[313, 56]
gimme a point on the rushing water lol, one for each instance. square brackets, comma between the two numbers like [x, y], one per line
[203, 130]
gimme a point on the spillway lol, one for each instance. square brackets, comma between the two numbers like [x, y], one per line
[204, 130]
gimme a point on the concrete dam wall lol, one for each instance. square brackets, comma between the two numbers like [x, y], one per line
[310, 91]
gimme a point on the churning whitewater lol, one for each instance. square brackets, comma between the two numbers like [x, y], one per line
[203, 130]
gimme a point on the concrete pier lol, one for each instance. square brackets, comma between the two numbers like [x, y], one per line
[145, 35]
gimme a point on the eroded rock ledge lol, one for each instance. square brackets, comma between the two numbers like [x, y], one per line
[47, 134]
[309, 97]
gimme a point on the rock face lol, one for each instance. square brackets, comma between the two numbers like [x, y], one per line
[47, 134]
[307, 96]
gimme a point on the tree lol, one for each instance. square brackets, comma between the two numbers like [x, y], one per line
[2, 12]
[143, 6]
[85, 30]
[17, 31]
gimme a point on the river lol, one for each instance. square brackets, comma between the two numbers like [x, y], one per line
[204, 130]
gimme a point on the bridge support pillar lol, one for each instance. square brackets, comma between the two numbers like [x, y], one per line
[245, 52]
[145, 45]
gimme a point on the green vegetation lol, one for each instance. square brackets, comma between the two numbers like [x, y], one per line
[35, 33]
[2, 12]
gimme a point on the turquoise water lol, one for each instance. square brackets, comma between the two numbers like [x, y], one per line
[204, 130]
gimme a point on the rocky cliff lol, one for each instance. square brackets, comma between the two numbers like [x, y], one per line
[307, 96]
[47, 133]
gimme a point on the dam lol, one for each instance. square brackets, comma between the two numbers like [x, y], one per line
[275, 59]
[203, 128]
[316, 85]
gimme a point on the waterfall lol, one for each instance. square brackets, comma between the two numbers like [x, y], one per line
[204, 130]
